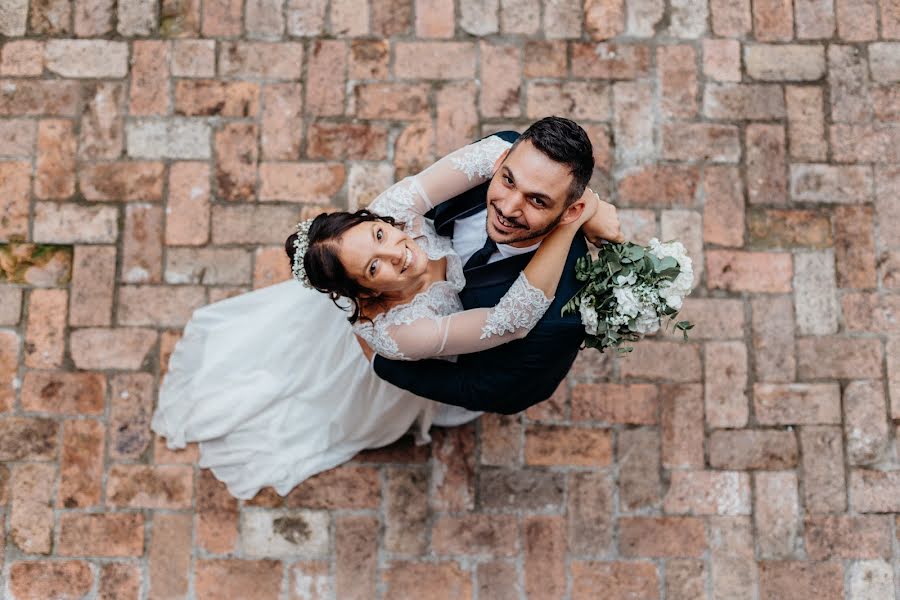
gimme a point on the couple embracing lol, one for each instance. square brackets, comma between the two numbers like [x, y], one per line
[452, 282]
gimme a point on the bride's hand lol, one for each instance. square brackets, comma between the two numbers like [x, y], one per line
[603, 225]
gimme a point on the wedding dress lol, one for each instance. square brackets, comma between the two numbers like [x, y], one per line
[274, 386]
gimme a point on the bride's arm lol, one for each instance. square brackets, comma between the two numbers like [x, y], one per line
[517, 312]
[458, 172]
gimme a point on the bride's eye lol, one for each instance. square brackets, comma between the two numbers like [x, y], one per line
[372, 268]
[379, 234]
[507, 180]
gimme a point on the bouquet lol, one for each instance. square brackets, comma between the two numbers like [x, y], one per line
[629, 290]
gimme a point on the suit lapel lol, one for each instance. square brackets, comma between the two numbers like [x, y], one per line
[502, 271]
[464, 205]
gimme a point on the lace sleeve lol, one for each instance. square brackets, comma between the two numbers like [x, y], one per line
[472, 330]
[461, 170]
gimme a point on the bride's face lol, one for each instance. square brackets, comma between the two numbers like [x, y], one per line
[382, 257]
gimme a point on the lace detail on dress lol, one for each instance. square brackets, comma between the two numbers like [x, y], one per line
[521, 308]
[479, 160]
[397, 201]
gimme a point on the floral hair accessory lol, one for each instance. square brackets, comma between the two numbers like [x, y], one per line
[301, 245]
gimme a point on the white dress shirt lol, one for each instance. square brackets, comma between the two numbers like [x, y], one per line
[469, 236]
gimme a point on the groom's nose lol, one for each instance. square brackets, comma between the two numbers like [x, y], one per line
[511, 204]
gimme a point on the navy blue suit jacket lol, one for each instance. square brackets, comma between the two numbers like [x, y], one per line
[511, 377]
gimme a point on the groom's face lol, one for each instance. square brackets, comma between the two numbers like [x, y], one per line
[527, 196]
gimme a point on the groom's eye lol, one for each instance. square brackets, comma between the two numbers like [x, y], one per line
[538, 202]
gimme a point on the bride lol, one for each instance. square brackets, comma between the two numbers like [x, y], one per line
[276, 385]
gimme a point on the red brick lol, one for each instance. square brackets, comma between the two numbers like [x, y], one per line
[768, 272]
[57, 98]
[9, 364]
[500, 66]
[453, 469]
[14, 186]
[457, 119]
[847, 537]
[232, 579]
[120, 348]
[119, 581]
[356, 556]
[346, 487]
[886, 102]
[870, 311]
[102, 126]
[142, 244]
[217, 525]
[30, 518]
[498, 580]
[857, 21]
[52, 17]
[125, 180]
[784, 228]
[140, 486]
[825, 183]
[39, 579]
[57, 392]
[28, 439]
[55, 163]
[81, 465]
[355, 141]
[548, 59]
[193, 58]
[563, 19]
[806, 122]
[300, 182]
[839, 358]
[369, 59]
[249, 224]
[545, 552]
[149, 92]
[17, 137]
[270, 267]
[515, 489]
[801, 579]
[638, 454]
[181, 19]
[890, 19]
[22, 58]
[236, 160]
[708, 493]
[549, 445]
[662, 537]
[849, 86]
[780, 62]
[776, 509]
[734, 101]
[187, 211]
[501, 439]
[391, 17]
[281, 121]
[162, 455]
[823, 469]
[865, 423]
[170, 556]
[723, 210]
[349, 18]
[263, 60]
[685, 579]
[520, 16]
[577, 100]
[10, 305]
[311, 580]
[797, 403]
[434, 19]
[160, 306]
[264, 19]
[604, 19]
[131, 405]
[222, 18]
[732, 554]
[632, 404]
[434, 60]
[103, 534]
[206, 97]
[725, 373]
[814, 19]
[854, 247]
[633, 121]
[494, 535]
[662, 185]
[766, 176]
[326, 77]
[773, 338]
[406, 510]
[700, 142]
[865, 143]
[590, 513]
[722, 59]
[677, 80]
[874, 491]
[682, 425]
[773, 20]
[887, 186]
[446, 581]
[749, 449]
[618, 580]
[45, 337]
[731, 18]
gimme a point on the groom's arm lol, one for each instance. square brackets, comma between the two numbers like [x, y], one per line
[532, 370]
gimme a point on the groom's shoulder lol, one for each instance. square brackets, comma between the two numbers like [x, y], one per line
[507, 136]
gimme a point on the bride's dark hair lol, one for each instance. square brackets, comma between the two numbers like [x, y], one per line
[324, 269]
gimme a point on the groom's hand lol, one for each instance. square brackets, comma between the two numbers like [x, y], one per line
[604, 225]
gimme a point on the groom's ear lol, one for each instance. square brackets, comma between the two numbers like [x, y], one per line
[499, 161]
[572, 212]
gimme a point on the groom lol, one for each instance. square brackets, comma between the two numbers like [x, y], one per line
[496, 228]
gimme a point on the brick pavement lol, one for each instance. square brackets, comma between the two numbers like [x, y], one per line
[153, 158]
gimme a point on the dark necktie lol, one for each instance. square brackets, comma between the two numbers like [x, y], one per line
[480, 258]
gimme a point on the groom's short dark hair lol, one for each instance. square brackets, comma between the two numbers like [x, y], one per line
[564, 141]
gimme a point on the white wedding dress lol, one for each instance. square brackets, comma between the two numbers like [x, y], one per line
[274, 386]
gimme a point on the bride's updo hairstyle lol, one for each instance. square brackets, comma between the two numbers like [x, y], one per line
[323, 267]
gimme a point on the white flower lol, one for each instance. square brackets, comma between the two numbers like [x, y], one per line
[647, 321]
[626, 302]
[588, 318]
[622, 280]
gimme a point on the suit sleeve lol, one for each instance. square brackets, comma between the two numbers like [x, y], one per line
[475, 386]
